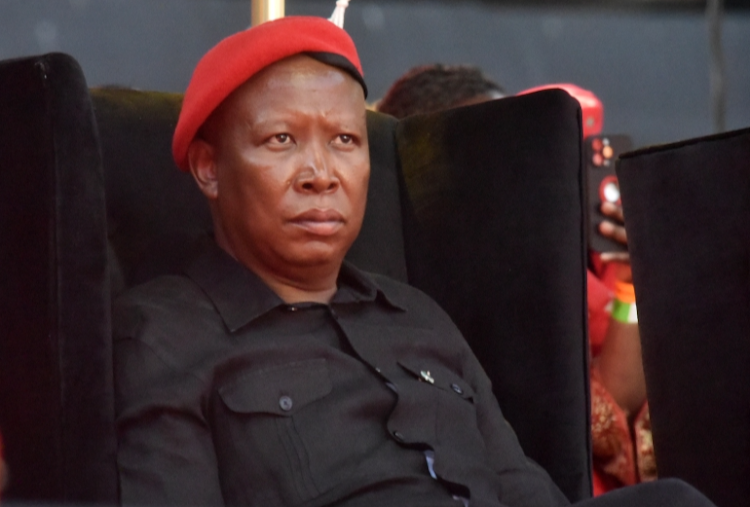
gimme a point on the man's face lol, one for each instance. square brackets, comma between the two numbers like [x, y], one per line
[291, 167]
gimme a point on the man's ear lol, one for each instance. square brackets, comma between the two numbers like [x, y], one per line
[202, 161]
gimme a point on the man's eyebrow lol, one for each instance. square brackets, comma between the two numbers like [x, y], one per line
[266, 122]
[334, 118]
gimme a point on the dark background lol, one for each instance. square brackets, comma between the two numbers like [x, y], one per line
[647, 61]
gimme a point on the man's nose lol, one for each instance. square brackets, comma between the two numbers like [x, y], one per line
[316, 173]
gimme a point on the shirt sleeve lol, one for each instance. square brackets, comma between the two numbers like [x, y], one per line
[165, 452]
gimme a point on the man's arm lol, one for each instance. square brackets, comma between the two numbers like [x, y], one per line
[165, 452]
[524, 483]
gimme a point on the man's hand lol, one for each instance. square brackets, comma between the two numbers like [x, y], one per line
[615, 230]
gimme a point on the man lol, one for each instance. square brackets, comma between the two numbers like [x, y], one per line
[273, 373]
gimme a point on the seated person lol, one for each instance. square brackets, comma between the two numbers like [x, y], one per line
[274, 373]
[621, 428]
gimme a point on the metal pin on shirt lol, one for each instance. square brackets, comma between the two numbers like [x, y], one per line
[426, 377]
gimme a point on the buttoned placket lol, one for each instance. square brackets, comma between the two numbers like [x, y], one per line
[396, 433]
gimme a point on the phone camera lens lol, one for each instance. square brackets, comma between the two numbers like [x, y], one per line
[611, 192]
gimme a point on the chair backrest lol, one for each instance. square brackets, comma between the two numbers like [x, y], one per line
[56, 394]
[497, 239]
[687, 210]
[508, 264]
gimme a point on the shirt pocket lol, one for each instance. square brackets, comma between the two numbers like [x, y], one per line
[259, 437]
[280, 390]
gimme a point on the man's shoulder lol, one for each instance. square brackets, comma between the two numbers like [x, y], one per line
[171, 301]
[419, 308]
[400, 293]
[164, 291]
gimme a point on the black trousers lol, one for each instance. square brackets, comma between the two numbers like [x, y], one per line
[661, 493]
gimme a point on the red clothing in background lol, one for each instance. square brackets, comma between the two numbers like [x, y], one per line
[622, 456]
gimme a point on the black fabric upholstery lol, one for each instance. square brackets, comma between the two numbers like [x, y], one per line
[487, 216]
[687, 210]
[379, 248]
[56, 400]
[154, 211]
[498, 240]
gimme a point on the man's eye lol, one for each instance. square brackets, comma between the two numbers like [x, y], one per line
[346, 138]
[281, 139]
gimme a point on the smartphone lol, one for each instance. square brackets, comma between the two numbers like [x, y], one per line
[602, 151]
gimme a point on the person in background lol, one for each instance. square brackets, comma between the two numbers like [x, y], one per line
[621, 428]
[430, 88]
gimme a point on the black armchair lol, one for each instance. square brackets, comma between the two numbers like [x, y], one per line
[485, 200]
[687, 209]
[56, 403]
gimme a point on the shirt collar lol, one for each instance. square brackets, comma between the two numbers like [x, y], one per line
[240, 296]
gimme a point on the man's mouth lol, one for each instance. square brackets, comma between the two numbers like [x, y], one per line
[319, 222]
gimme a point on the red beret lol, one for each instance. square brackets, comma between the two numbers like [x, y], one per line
[591, 107]
[240, 56]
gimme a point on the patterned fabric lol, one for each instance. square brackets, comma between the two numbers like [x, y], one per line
[644, 446]
[623, 447]
[610, 436]
[620, 458]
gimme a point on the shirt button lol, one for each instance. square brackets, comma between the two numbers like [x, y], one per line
[398, 436]
[285, 402]
[293, 308]
[457, 388]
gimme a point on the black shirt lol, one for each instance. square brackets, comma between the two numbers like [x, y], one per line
[227, 395]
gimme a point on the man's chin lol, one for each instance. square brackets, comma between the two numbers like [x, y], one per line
[316, 254]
